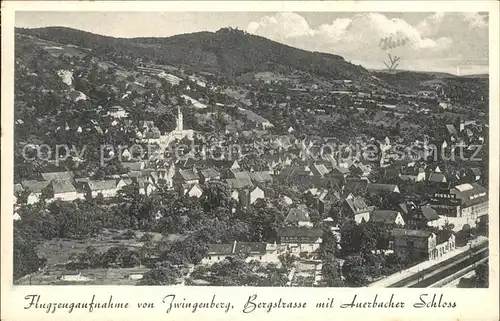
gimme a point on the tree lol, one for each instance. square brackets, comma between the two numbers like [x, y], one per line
[354, 271]
[164, 274]
[216, 194]
[120, 256]
[482, 275]
[26, 260]
[350, 239]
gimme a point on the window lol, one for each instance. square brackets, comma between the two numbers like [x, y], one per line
[218, 258]
[260, 257]
[210, 258]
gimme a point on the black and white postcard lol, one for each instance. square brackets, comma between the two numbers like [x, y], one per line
[226, 160]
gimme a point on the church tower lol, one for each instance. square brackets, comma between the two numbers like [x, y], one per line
[180, 121]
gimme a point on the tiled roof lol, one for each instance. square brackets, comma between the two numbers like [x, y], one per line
[62, 186]
[57, 175]
[429, 213]
[381, 187]
[437, 177]
[260, 177]
[358, 205]
[250, 247]
[102, 185]
[300, 231]
[384, 216]
[239, 183]
[188, 175]
[222, 249]
[402, 232]
[18, 188]
[133, 166]
[241, 174]
[476, 194]
[210, 173]
[35, 186]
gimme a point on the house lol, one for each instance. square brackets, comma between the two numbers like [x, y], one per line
[299, 216]
[382, 188]
[359, 169]
[437, 177]
[71, 276]
[300, 239]
[451, 129]
[209, 174]
[474, 200]
[420, 216]
[285, 200]
[32, 198]
[339, 172]
[16, 216]
[357, 208]
[236, 184]
[250, 196]
[422, 244]
[194, 191]
[445, 203]
[260, 177]
[474, 174]
[133, 166]
[117, 112]
[145, 187]
[108, 188]
[50, 176]
[64, 190]
[319, 169]
[186, 177]
[35, 189]
[248, 250]
[321, 199]
[412, 174]
[387, 217]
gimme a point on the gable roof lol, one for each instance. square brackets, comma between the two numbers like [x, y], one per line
[239, 183]
[381, 187]
[57, 175]
[451, 129]
[250, 247]
[384, 216]
[210, 172]
[62, 186]
[222, 249]
[133, 166]
[437, 177]
[188, 174]
[102, 185]
[240, 174]
[470, 194]
[358, 205]
[35, 186]
[404, 232]
[429, 213]
[260, 177]
[300, 231]
[18, 188]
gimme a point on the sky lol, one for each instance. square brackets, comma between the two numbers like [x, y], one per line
[456, 43]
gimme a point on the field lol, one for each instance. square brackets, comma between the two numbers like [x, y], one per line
[58, 251]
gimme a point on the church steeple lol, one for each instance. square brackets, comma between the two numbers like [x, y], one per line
[180, 121]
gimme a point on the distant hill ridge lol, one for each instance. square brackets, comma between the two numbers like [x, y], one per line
[232, 52]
